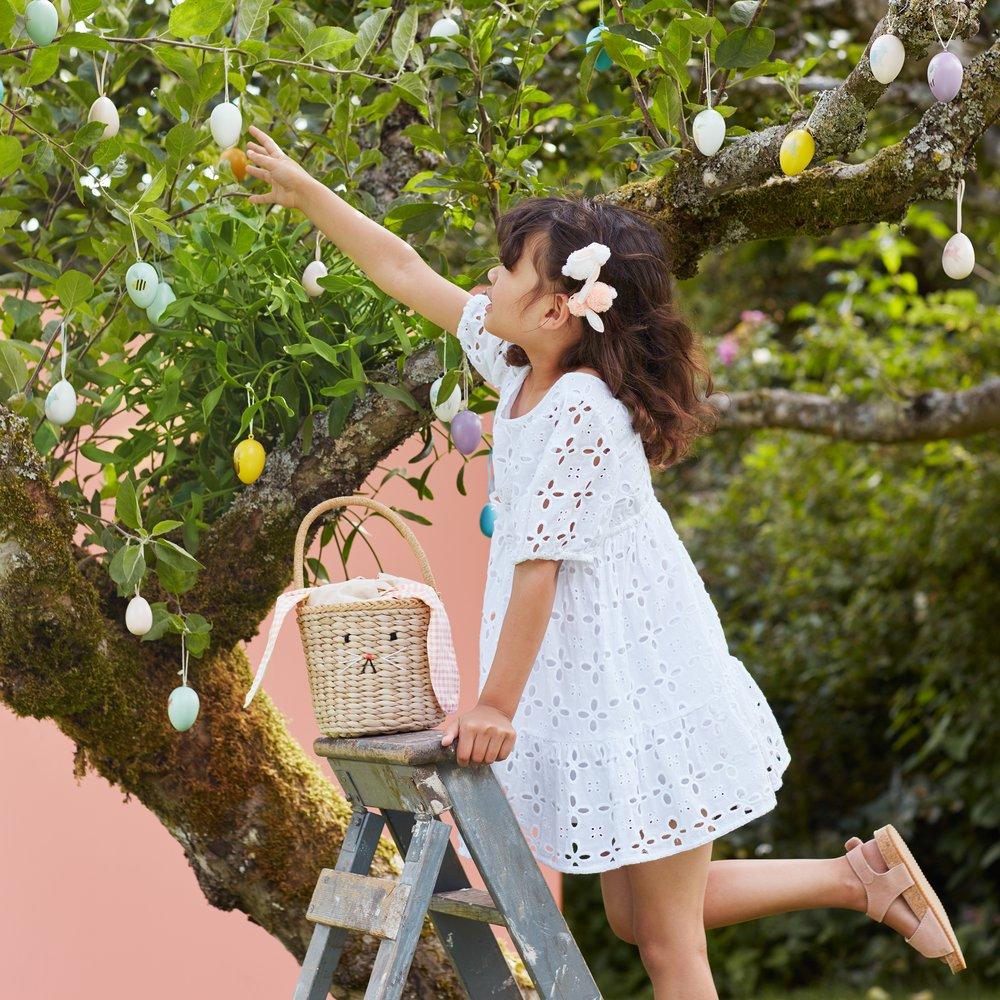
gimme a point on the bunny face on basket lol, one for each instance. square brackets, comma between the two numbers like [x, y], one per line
[359, 657]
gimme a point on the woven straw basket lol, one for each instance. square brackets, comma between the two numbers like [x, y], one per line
[352, 694]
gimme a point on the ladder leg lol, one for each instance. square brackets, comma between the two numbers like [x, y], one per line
[327, 943]
[420, 873]
[471, 944]
[497, 845]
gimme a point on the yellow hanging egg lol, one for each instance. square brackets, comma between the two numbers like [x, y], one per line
[797, 150]
[248, 460]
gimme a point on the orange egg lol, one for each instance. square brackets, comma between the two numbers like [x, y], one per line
[237, 161]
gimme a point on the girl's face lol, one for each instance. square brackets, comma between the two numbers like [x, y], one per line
[547, 324]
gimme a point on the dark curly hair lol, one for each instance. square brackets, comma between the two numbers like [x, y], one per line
[647, 354]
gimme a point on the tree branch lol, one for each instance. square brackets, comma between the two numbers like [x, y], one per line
[928, 416]
[256, 817]
[740, 194]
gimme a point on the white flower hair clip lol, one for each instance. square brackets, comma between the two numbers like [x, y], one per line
[595, 296]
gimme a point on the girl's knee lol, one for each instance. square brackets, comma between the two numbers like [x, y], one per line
[663, 948]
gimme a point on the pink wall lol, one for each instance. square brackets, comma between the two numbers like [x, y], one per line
[96, 893]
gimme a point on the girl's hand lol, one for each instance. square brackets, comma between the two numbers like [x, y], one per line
[485, 735]
[288, 179]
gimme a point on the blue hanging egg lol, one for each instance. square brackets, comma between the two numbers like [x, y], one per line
[487, 518]
[182, 707]
[3, 93]
[594, 38]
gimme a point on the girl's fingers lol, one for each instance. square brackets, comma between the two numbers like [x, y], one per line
[269, 144]
[258, 172]
[267, 198]
[261, 158]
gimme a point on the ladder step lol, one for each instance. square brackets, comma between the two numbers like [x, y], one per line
[359, 902]
[472, 904]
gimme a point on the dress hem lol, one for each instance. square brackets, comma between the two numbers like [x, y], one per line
[654, 855]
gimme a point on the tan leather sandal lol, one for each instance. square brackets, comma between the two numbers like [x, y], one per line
[934, 936]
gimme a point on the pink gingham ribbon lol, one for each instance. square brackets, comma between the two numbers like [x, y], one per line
[440, 647]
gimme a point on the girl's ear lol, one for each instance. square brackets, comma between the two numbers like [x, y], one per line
[558, 312]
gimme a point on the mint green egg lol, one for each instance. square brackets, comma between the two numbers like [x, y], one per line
[140, 283]
[41, 21]
[164, 296]
[604, 61]
[3, 93]
[182, 707]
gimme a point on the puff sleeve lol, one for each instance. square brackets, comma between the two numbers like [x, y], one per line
[573, 491]
[484, 349]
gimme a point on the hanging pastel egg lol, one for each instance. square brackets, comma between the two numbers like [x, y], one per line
[466, 431]
[885, 58]
[797, 150]
[3, 93]
[41, 21]
[248, 460]
[443, 27]
[959, 257]
[163, 297]
[445, 410]
[709, 128]
[141, 282]
[60, 403]
[315, 270]
[104, 110]
[237, 161]
[944, 75]
[182, 707]
[487, 519]
[603, 61]
[138, 616]
[226, 124]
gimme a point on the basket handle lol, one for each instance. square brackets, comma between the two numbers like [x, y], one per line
[298, 575]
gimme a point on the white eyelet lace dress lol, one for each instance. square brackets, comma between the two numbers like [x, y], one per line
[638, 734]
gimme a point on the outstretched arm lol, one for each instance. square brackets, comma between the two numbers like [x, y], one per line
[385, 258]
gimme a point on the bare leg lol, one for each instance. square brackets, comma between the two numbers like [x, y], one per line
[668, 920]
[740, 890]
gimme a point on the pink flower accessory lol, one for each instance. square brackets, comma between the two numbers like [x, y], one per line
[595, 296]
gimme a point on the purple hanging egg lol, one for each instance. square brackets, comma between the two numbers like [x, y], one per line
[466, 431]
[944, 74]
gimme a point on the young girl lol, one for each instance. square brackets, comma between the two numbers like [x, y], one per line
[625, 735]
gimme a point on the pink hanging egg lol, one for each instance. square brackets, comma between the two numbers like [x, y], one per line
[466, 431]
[944, 74]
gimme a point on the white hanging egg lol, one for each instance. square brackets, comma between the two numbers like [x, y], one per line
[443, 27]
[709, 129]
[41, 21]
[141, 282]
[315, 269]
[885, 58]
[226, 124]
[104, 110]
[959, 257]
[60, 403]
[445, 410]
[138, 616]
[164, 296]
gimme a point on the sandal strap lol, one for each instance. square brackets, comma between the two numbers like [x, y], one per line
[881, 888]
[930, 938]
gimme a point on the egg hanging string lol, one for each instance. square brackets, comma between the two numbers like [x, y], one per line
[959, 195]
[945, 44]
[708, 70]
[225, 74]
[184, 662]
[62, 354]
[318, 234]
[251, 395]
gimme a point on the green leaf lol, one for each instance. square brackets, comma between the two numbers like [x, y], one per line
[181, 140]
[83, 8]
[199, 17]
[13, 370]
[327, 43]
[44, 62]
[744, 47]
[404, 33]
[251, 19]
[210, 401]
[368, 33]
[133, 567]
[163, 527]
[742, 11]
[156, 186]
[73, 287]
[624, 52]
[173, 555]
[11, 154]
[397, 392]
[127, 505]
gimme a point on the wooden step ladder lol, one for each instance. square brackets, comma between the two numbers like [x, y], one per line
[412, 779]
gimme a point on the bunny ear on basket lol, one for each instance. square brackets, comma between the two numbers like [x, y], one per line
[595, 296]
